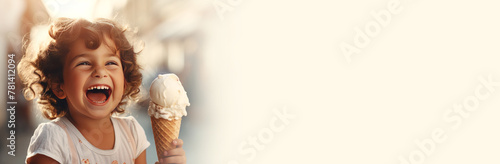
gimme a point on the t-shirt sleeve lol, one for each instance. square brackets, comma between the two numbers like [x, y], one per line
[139, 136]
[49, 140]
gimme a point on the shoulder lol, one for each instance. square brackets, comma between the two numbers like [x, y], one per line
[129, 120]
[47, 131]
[49, 139]
[135, 132]
[129, 123]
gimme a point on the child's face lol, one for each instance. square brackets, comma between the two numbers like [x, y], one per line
[85, 71]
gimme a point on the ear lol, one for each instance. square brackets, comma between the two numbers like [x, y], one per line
[58, 91]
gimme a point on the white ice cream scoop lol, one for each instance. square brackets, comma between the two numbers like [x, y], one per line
[168, 97]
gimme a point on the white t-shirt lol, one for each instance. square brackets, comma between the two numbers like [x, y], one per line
[61, 141]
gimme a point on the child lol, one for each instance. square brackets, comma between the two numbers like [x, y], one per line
[84, 74]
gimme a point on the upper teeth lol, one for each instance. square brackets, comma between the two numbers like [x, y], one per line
[98, 87]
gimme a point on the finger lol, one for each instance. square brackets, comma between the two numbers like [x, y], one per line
[164, 155]
[175, 159]
[163, 161]
[178, 143]
[175, 152]
[157, 162]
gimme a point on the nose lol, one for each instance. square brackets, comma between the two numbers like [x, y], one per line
[100, 72]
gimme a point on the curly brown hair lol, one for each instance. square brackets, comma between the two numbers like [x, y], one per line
[42, 64]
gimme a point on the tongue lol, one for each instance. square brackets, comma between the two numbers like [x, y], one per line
[98, 97]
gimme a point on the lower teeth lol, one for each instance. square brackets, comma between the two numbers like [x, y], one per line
[99, 102]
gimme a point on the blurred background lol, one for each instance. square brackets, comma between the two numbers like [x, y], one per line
[298, 81]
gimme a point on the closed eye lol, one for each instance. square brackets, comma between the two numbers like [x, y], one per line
[111, 63]
[83, 63]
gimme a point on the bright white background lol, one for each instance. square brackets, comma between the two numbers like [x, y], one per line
[275, 54]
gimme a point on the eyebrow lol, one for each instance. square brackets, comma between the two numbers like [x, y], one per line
[85, 55]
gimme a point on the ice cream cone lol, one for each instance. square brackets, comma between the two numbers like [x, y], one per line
[166, 109]
[165, 132]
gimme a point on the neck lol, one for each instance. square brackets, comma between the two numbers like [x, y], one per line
[86, 123]
[98, 132]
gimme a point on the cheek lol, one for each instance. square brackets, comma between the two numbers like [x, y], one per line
[75, 77]
[69, 79]
[120, 83]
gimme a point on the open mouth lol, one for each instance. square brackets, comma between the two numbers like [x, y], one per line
[98, 94]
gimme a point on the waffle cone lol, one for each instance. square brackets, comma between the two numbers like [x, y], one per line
[165, 132]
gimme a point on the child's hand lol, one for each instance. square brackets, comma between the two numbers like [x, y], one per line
[176, 155]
